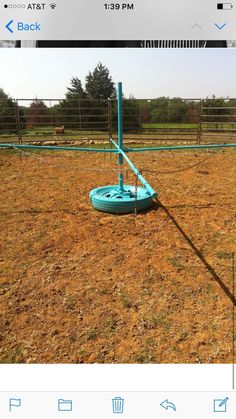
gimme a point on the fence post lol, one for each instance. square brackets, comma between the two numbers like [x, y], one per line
[80, 119]
[199, 134]
[18, 124]
[109, 108]
[139, 119]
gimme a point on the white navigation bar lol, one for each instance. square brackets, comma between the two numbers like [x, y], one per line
[118, 20]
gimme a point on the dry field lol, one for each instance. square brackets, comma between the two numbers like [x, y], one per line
[79, 286]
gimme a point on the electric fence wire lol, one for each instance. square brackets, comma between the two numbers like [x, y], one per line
[42, 159]
[108, 170]
[181, 169]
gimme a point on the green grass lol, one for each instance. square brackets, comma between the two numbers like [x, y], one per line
[185, 125]
[169, 125]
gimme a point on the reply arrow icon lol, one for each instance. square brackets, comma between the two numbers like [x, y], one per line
[8, 26]
[168, 405]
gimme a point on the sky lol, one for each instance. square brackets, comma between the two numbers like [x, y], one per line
[145, 73]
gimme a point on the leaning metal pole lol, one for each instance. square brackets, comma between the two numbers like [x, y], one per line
[135, 170]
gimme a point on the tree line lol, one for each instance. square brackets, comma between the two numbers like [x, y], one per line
[93, 107]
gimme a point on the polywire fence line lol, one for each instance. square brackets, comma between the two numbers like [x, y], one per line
[45, 159]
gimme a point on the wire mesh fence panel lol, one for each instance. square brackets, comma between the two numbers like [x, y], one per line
[218, 120]
[161, 120]
[8, 119]
[62, 120]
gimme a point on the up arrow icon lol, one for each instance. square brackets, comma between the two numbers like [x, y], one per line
[196, 26]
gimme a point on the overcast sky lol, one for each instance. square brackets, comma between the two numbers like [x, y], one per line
[45, 73]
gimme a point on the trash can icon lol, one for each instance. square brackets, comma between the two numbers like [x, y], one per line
[118, 405]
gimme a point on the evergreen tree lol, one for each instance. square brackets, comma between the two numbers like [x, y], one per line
[75, 91]
[99, 84]
[72, 112]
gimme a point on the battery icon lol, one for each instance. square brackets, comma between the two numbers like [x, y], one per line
[224, 6]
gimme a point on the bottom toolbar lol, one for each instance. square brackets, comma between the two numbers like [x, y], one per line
[104, 405]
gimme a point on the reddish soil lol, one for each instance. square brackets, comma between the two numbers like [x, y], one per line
[81, 286]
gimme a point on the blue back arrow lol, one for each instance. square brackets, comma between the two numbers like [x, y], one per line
[8, 26]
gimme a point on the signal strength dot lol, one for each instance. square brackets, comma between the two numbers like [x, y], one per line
[53, 5]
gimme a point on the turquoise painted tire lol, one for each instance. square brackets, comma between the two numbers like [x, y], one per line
[111, 199]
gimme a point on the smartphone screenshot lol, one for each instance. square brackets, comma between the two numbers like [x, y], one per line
[117, 209]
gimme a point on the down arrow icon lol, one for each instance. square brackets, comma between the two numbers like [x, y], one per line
[220, 26]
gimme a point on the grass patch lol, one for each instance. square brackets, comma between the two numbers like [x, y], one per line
[14, 356]
[224, 255]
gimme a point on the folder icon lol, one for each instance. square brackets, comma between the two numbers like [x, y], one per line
[64, 405]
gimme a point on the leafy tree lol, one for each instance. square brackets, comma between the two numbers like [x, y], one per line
[8, 123]
[193, 112]
[177, 110]
[231, 104]
[131, 115]
[38, 114]
[159, 110]
[145, 111]
[215, 111]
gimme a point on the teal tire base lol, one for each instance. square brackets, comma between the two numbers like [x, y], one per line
[112, 200]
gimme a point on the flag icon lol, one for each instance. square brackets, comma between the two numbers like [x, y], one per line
[14, 403]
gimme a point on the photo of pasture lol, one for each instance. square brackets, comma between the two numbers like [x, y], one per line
[156, 285]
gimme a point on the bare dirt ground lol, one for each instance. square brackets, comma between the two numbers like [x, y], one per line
[80, 286]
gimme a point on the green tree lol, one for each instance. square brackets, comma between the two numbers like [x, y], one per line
[8, 122]
[145, 116]
[159, 110]
[99, 84]
[72, 112]
[131, 115]
[215, 111]
[193, 112]
[75, 90]
[177, 110]
[99, 87]
[231, 104]
[38, 114]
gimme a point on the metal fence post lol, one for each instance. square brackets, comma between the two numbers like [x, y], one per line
[139, 119]
[199, 134]
[18, 124]
[120, 134]
[109, 109]
[80, 117]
